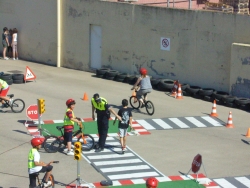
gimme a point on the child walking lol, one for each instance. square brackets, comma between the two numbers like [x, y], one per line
[126, 121]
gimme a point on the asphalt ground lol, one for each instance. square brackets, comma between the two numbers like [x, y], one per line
[224, 151]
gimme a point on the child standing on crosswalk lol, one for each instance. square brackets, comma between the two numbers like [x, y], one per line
[126, 121]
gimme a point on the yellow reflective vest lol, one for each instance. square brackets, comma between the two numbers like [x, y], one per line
[67, 121]
[99, 106]
[31, 162]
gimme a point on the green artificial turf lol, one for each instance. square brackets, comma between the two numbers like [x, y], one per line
[89, 128]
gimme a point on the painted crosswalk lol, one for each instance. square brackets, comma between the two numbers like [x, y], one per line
[114, 165]
[181, 123]
[233, 182]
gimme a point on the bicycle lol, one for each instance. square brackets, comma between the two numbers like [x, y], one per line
[17, 105]
[135, 103]
[51, 178]
[53, 143]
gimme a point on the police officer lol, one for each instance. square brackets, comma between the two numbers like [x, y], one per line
[102, 109]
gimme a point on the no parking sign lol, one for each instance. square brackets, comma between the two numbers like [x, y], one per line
[165, 43]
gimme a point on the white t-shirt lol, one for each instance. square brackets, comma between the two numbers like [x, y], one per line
[36, 159]
[14, 37]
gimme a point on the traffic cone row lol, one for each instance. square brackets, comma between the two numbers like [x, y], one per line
[85, 97]
[214, 113]
[179, 93]
[230, 121]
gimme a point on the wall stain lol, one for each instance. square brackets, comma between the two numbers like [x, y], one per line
[73, 12]
[245, 61]
[241, 88]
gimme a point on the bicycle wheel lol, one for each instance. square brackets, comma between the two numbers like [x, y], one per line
[134, 102]
[52, 144]
[88, 142]
[150, 108]
[17, 105]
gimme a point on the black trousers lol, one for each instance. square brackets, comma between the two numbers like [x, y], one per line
[103, 126]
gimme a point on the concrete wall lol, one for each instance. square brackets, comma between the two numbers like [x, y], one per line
[200, 49]
[240, 70]
[36, 25]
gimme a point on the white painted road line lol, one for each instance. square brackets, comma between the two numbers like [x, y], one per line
[224, 183]
[117, 162]
[212, 121]
[124, 168]
[163, 124]
[195, 122]
[245, 181]
[145, 124]
[179, 123]
[133, 175]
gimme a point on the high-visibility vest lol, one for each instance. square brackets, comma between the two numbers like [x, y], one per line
[67, 121]
[3, 83]
[101, 105]
[31, 162]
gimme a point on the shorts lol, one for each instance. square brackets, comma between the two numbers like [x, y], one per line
[14, 46]
[4, 44]
[67, 137]
[3, 93]
[123, 132]
[142, 92]
[9, 49]
[33, 176]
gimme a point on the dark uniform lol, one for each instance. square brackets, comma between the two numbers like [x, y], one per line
[103, 116]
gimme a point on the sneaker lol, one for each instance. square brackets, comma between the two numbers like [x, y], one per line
[143, 105]
[99, 149]
[6, 58]
[10, 102]
[14, 59]
[66, 150]
[47, 184]
[70, 153]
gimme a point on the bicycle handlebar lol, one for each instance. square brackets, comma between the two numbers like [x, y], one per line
[55, 161]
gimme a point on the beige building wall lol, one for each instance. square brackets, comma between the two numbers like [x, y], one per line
[200, 41]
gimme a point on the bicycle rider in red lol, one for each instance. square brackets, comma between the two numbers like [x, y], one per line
[4, 88]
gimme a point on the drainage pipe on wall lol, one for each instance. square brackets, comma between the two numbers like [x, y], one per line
[58, 33]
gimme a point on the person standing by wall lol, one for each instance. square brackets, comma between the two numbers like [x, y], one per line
[10, 43]
[14, 44]
[102, 108]
[5, 42]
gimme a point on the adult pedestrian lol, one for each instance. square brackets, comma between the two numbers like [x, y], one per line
[9, 50]
[102, 109]
[145, 85]
[151, 182]
[14, 44]
[5, 42]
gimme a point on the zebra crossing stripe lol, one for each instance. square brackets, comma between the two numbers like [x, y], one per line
[224, 183]
[195, 122]
[163, 124]
[110, 156]
[118, 169]
[179, 123]
[212, 121]
[245, 181]
[145, 124]
[116, 162]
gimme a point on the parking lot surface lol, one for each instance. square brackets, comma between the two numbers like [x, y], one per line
[224, 151]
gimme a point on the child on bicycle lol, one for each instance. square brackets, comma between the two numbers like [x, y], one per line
[4, 88]
[69, 120]
[145, 85]
[35, 165]
[126, 121]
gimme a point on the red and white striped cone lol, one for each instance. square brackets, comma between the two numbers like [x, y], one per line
[230, 121]
[214, 113]
[179, 93]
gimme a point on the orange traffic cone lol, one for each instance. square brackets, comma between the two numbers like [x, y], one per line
[213, 113]
[248, 133]
[230, 121]
[85, 97]
[134, 95]
[179, 94]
